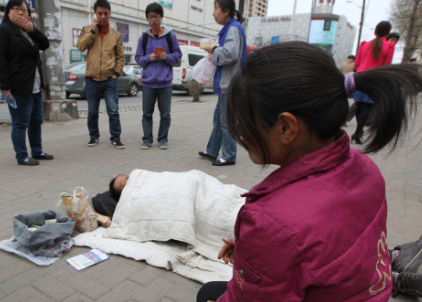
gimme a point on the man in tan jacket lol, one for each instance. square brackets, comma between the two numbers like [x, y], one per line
[349, 65]
[105, 60]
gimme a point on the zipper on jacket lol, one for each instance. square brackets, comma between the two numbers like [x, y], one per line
[101, 57]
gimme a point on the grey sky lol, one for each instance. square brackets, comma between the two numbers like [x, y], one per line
[377, 10]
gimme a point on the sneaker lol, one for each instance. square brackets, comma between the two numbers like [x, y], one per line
[29, 162]
[118, 144]
[410, 257]
[207, 156]
[145, 145]
[407, 283]
[92, 142]
[163, 145]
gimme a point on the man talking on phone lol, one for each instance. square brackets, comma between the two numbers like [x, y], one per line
[105, 60]
[158, 51]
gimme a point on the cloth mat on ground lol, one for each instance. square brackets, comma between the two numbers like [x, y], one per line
[174, 221]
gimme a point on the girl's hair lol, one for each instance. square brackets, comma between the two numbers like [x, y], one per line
[230, 6]
[13, 3]
[381, 30]
[303, 79]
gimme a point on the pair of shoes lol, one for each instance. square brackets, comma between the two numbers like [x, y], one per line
[163, 145]
[43, 156]
[407, 283]
[29, 162]
[92, 142]
[220, 163]
[207, 156]
[118, 144]
[145, 145]
[410, 257]
[357, 139]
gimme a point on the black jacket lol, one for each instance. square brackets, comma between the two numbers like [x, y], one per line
[19, 58]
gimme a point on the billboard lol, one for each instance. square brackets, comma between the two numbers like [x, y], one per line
[123, 29]
[323, 33]
[167, 3]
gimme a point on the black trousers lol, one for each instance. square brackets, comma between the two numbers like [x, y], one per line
[362, 114]
[211, 291]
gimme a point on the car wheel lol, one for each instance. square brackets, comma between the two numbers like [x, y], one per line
[133, 90]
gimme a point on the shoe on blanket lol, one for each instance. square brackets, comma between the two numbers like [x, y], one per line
[410, 257]
[407, 283]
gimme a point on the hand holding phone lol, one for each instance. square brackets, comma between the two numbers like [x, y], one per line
[95, 23]
[158, 50]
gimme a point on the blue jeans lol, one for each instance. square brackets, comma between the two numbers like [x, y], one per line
[220, 135]
[28, 116]
[108, 88]
[163, 98]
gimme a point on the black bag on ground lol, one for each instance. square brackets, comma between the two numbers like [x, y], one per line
[104, 203]
[49, 240]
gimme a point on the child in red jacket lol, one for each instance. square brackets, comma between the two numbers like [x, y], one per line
[315, 229]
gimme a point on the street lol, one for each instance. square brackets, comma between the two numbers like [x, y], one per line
[31, 189]
[124, 100]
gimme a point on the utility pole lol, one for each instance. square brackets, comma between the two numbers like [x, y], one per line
[56, 107]
[362, 16]
[293, 19]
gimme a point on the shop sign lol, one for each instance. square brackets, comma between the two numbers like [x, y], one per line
[183, 42]
[194, 43]
[123, 29]
[127, 48]
[75, 56]
[167, 3]
[195, 8]
[276, 19]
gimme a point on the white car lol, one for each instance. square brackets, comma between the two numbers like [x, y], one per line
[182, 71]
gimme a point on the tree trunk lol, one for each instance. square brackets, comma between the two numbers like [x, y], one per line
[412, 33]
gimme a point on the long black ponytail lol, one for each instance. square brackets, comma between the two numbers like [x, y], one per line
[394, 89]
[303, 79]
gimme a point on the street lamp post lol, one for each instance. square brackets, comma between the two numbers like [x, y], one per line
[362, 17]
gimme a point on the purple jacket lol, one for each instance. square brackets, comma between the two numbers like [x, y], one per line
[159, 73]
[314, 230]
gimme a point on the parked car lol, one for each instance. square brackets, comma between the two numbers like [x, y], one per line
[182, 71]
[129, 83]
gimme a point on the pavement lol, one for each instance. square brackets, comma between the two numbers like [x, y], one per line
[30, 189]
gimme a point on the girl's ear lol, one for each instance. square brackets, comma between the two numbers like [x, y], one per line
[286, 128]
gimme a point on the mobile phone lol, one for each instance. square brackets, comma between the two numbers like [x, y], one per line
[158, 50]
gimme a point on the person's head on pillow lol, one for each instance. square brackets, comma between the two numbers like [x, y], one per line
[117, 185]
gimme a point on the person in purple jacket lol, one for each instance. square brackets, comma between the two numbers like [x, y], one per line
[158, 51]
[316, 228]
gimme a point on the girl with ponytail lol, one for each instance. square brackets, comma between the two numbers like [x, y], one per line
[375, 53]
[315, 229]
[229, 56]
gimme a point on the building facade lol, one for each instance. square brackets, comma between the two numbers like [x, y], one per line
[255, 8]
[331, 32]
[191, 20]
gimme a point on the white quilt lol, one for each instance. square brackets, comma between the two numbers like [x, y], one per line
[193, 208]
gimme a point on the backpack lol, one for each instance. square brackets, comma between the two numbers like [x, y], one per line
[145, 38]
[104, 204]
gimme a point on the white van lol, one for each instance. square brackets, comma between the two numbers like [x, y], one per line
[183, 70]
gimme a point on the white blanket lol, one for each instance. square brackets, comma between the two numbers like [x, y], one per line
[191, 207]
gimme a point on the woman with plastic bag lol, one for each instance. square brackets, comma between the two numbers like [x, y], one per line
[229, 56]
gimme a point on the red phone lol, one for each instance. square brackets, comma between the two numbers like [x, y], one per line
[158, 50]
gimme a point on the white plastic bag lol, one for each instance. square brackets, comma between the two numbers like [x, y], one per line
[78, 206]
[203, 71]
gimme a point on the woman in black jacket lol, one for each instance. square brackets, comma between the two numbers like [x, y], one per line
[21, 75]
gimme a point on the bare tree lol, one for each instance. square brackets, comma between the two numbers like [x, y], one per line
[407, 17]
